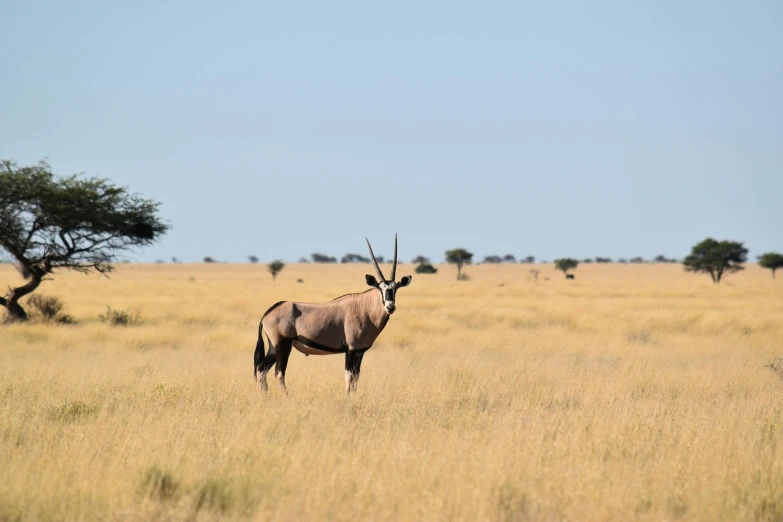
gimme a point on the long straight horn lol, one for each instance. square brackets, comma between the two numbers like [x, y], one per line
[375, 261]
[394, 266]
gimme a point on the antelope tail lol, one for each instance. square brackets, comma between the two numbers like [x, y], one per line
[258, 358]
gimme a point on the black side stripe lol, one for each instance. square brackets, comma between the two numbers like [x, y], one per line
[318, 346]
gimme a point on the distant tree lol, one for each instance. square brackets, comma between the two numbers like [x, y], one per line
[716, 258]
[253, 259]
[660, 259]
[565, 264]
[623, 261]
[275, 267]
[354, 258]
[587, 260]
[529, 260]
[509, 258]
[159, 262]
[304, 260]
[459, 257]
[603, 259]
[493, 260]
[771, 261]
[322, 258]
[209, 259]
[49, 223]
[420, 260]
[174, 260]
[380, 259]
[637, 259]
[425, 268]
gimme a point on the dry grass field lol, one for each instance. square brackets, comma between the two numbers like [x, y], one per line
[635, 392]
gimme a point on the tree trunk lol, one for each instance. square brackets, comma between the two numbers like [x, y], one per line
[773, 273]
[11, 300]
[459, 271]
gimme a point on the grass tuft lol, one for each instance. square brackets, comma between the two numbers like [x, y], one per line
[159, 485]
[120, 317]
[215, 494]
[73, 411]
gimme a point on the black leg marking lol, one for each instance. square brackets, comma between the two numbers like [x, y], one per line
[282, 352]
[265, 364]
[353, 365]
[353, 361]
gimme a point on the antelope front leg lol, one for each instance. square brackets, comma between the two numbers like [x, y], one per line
[353, 365]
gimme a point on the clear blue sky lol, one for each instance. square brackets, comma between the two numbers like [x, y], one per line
[281, 128]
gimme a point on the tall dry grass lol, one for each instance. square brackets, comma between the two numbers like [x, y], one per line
[632, 393]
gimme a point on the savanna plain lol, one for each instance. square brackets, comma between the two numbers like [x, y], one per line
[635, 392]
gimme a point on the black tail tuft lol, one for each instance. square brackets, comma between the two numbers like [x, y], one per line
[258, 358]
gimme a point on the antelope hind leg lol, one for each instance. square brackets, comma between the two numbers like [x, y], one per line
[266, 364]
[283, 352]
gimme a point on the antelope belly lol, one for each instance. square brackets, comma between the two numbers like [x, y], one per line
[307, 350]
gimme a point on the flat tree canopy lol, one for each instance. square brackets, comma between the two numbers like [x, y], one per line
[82, 224]
[565, 264]
[771, 261]
[716, 258]
[459, 257]
[275, 267]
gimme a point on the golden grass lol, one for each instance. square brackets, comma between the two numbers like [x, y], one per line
[632, 393]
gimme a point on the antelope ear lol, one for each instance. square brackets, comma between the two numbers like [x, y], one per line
[405, 281]
[371, 281]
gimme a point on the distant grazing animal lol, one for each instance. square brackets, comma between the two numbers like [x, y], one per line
[349, 324]
[570, 276]
[300, 280]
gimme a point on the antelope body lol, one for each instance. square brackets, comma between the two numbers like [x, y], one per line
[349, 325]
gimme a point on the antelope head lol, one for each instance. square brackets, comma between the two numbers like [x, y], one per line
[387, 287]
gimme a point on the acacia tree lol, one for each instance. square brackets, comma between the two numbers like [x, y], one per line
[459, 257]
[82, 224]
[275, 267]
[716, 258]
[565, 264]
[772, 261]
[252, 259]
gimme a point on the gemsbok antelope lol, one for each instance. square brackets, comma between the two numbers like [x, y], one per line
[349, 324]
